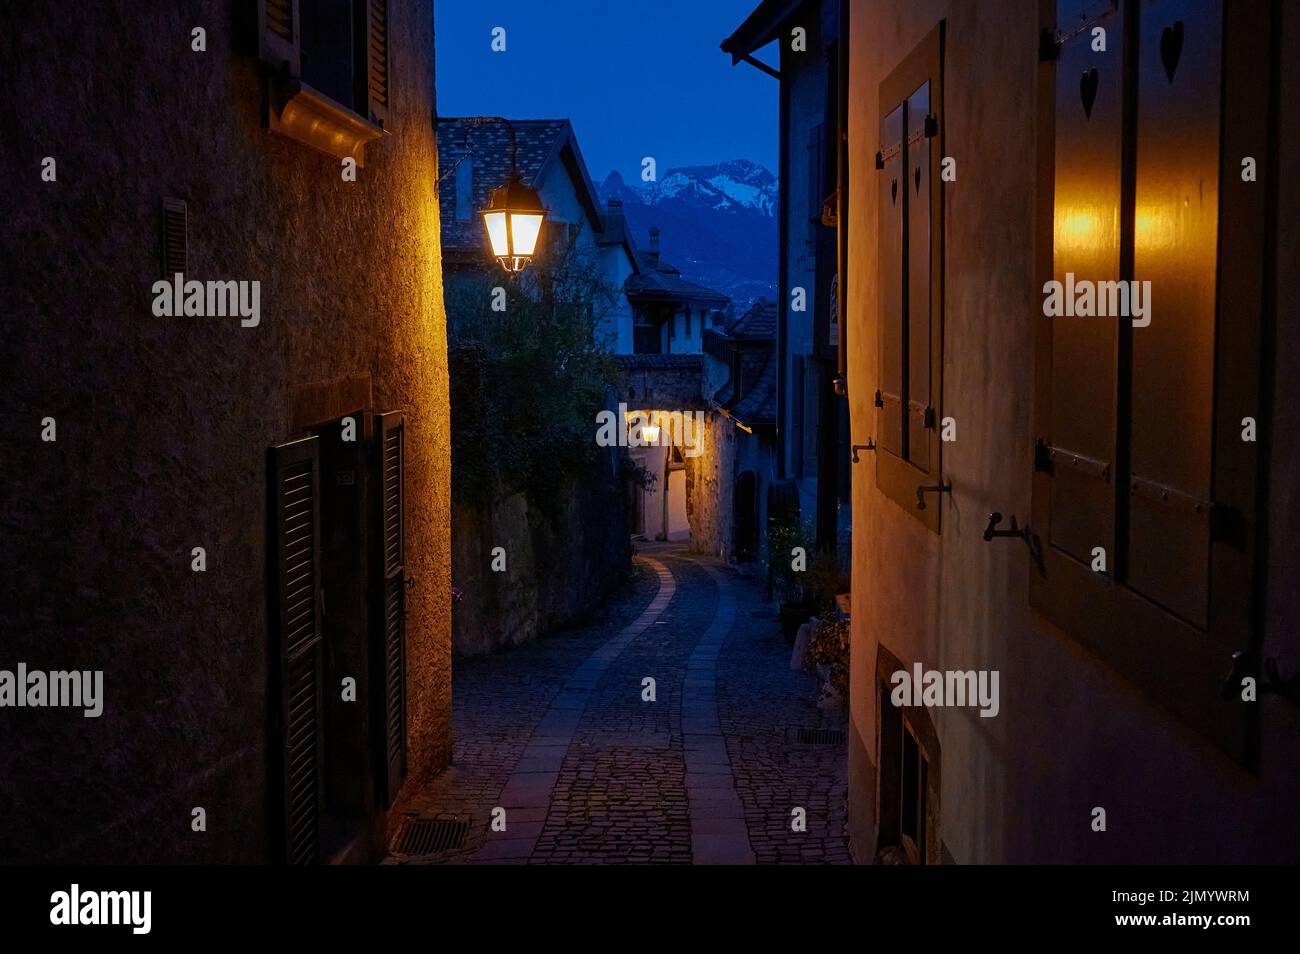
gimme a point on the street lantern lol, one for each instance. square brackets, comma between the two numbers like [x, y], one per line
[514, 215]
[513, 220]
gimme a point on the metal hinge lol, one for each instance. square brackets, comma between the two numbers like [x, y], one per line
[1042, 456]
[931, 125]
[928, 418]
[1228, 525]
[880, 159]
[1048, 49]
[880, 401]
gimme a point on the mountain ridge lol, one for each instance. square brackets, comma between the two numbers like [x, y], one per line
[717, 223]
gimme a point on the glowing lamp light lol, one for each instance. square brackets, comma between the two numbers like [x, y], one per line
[649, 434]
[513, 220]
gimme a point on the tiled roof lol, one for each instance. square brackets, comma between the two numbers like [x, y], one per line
[637, 362]
[758, 322]
[757, 404]
[489, 141]
[659, 281]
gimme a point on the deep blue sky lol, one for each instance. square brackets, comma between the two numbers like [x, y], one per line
[636, 77]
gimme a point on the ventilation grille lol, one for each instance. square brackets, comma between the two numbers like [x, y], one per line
[297, 511]
[378, 59]
[175, 241]
[430, 836]
[279, 18]
[801, 735]
[301, 757]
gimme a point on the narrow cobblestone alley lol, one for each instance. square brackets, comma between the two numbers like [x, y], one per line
[559, 734]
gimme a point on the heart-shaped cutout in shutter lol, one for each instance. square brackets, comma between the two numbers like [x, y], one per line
[1171, 48]
[917, 176]
[893, 191]
[1088, 90]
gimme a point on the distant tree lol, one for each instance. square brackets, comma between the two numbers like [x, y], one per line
[527, 382]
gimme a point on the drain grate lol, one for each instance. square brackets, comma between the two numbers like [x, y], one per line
[805, 736]
[429, 836]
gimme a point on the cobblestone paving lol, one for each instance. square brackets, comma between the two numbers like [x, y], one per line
[622, 793]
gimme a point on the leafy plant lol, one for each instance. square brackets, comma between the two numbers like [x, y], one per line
[829, 647]
[527, 381]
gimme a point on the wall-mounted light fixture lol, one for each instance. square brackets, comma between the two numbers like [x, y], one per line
[514, 216]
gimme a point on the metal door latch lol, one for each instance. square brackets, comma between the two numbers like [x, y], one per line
[923, 489]
[1015, 530]
[869, 445]
[1270, 680]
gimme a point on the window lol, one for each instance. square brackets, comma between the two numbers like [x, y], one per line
[1144, 490]
[328, 69]
[911, 281]
[907, 796]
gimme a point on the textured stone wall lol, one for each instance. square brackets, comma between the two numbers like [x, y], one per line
[164, 423]
[562, 557]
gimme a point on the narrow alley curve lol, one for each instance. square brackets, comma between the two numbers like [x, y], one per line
[592, 763]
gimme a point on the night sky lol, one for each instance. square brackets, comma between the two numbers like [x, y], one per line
[636, 78]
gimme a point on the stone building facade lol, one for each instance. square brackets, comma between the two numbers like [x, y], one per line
[180, 139]
[1121, 690]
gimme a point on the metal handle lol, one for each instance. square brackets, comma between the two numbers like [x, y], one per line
[869, 445]
[923, 489]
[992, 531]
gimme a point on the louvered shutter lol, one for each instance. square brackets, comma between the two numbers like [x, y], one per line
[918, 210]
[295, 517]
[389, 622]
[1175, 247]
[891, 205]
[910, 203]
[816, 172]
[1080, 431]
[375, 35]
[278, 35]
[812, 402]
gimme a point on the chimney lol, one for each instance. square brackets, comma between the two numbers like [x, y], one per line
[654, 244]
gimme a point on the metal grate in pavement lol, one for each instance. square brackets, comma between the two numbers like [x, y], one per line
[802, 735]
[429, 836]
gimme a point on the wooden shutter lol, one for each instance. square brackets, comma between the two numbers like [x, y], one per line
[389, 606]
[798, 415]
[1175, 248]
[278, 35]
[816, 172]
[812, 403]
[910, 199]
[891, 204]
[295, 520]
[1169, 479]
[375, 60]
[918, 210]
[1079, 435]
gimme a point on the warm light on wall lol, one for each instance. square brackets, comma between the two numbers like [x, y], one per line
[1078, 229]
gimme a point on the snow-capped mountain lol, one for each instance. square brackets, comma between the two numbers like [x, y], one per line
[717, 224]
